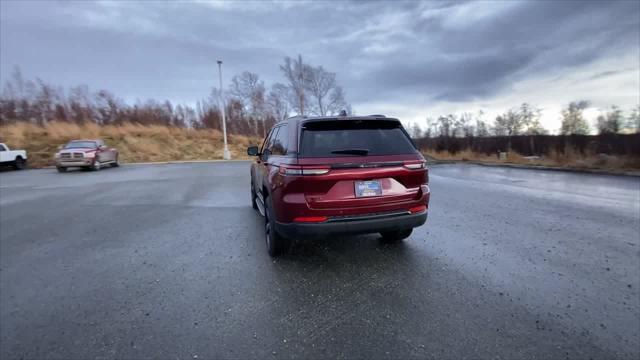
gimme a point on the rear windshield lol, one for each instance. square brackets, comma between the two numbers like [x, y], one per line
[354, 138]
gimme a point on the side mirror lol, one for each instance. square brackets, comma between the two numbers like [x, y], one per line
[252, 151]
[59, 147]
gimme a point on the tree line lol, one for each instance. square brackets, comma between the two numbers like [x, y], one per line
[537, 145]
[251, 107]
[525, 120]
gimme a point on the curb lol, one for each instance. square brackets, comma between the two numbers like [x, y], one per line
[163, 163]
[181, 162]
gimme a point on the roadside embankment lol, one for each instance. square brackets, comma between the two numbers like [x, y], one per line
[135, 143]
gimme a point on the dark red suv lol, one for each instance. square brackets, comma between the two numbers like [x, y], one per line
[338, 175]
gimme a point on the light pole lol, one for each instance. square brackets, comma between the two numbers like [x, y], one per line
[225, 153]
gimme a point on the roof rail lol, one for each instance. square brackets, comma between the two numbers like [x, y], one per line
[296, 117]
[377, 115]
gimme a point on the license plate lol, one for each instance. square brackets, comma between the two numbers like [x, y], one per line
[368, 188]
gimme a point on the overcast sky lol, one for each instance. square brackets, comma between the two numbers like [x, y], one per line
[406, 59]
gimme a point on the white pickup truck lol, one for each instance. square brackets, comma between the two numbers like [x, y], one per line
[15, 158]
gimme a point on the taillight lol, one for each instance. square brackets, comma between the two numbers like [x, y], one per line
[290, 170]
[418, 209]
[320, 171]
[415, 165]
[299, 170]
[313, 219]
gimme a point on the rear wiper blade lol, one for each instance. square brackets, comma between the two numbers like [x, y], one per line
[351, 151]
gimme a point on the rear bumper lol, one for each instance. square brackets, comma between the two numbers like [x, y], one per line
[353, 225]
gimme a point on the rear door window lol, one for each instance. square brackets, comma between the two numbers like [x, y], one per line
[353, 138]
[265, 144]
[280, 142]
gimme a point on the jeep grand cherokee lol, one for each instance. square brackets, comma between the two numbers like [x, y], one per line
[338, 175]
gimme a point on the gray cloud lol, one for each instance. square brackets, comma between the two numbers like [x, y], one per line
[390, 52]
[458, 59]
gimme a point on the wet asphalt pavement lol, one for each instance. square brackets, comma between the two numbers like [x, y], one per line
[168, 261]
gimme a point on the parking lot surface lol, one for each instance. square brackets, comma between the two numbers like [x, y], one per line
[169, 261]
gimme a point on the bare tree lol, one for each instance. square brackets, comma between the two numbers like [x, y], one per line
[446, 124]
[297, 74]
[612, 122]
[208, 113]
[463, 125]
[249, 89]
[44, 104]
[633, 121]
[14, 87]
[511, 123]
[416, 131]
[530, 118]
[108, 108]
[573, 122]
[320, 84]
[278, 101]
[337, 102]
[508, 124]
[191, 119]
[432, 127]
[259, 108]
[481, 128]
[250, 108]
[80, 106]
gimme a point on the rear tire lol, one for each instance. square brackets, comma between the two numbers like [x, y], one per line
[61, 169]
[19, 163]
[276, 243]
[254, 198]
[396, 236]
[116, 163]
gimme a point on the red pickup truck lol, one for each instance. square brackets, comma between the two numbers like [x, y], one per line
[86, 154]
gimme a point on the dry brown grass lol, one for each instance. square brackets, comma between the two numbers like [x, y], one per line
[135, 143]
[568, 159]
